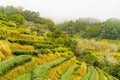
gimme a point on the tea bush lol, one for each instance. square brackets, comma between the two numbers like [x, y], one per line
[12, 62]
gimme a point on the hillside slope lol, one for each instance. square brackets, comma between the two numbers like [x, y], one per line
[26, 56]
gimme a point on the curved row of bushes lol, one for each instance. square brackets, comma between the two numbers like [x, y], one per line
[12, 62]
[38, 51]
[39, 72]
[68, 74]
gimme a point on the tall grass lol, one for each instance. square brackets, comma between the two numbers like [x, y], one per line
[84, 44]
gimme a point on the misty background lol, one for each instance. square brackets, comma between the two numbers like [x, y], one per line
[62, 10]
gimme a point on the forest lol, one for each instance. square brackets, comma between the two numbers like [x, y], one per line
[35, 48]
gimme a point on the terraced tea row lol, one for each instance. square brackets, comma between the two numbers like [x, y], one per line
[97, 74]
[8, 29]
[42, 62]
[34, 62]
[68, 74]
[56, 72]
[39, 72]
[12, 62]
[65, 68]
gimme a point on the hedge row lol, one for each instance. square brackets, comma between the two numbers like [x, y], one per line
[49, 46]
[88, 75]
[68, 74]
[36, 52]
[41, 45]
[40, 72]
[27, 42]
[12, 62]
[2, 37]
[101, 73]
[93, 75]
[9, 23]
[25, 52]
[109, 77]
[22, 41]
[25, 76]
[31, 52]
[36, 44]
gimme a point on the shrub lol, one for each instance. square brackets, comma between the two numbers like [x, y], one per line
[12, 62]
[41, 45]
[70, 44]
[22, 41]
[57, 45]
[68, 74]
[4, 49]
[80, 72]
[87, 57]
[24, 31]
[88, 75]
[109, 77]
[16, 46]
[9, 23]
[25, 52]
[2, 37]
[48, 42]
[26, 76]
[2, 57]
[101, 73]
[93, 75]
[40, 71]
[31, 52]
[60, 49]
[60, 40]
[45, 51]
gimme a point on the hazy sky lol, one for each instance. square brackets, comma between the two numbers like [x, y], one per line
[59, 10]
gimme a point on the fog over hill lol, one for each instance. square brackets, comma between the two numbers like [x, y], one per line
[63, 10]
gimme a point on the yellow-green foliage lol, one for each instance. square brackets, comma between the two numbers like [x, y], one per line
[60, 40]
[97, 76]
[61, 49]
[16, 46]
[18, 33]
[6, 31]
[23, 30]
[41, 59]
[55, 72]
[80, 72]
[29, 37]
[9, 23]
[2, 57]
[5, 51]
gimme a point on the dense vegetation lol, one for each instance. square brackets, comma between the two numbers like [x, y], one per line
[109, 29]
[34, 48]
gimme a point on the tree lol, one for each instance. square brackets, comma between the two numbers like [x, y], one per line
[3, 17]
[110, 30]
[30, 15]
[18, 18]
